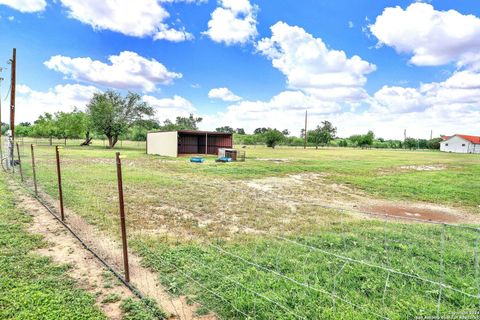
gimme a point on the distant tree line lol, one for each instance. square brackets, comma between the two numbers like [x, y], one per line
[325, 135]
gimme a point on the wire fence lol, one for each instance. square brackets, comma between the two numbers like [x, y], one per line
[232, 264]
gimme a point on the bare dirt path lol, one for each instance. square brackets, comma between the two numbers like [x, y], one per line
[63, 248]
[89, 272]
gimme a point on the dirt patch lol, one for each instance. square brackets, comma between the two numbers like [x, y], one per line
[90, 273]
[422, 213]
[436, 167]
[274, 160]
[312, 189]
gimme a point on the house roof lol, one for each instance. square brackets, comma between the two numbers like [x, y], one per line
[472, 139]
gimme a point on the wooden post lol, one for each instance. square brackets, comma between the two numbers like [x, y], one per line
[59, 176]
[33, 170]
[19, 163]
[122, 216]
[206, 143]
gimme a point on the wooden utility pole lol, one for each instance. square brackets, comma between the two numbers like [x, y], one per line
[431, 134]
[1, 79]
[305, 132]
[12, 93]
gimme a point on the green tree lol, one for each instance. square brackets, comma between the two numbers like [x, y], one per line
[112, 114]
[411, 143]
[182, 123]
[45, 127]
[225, 129]
[24, 129]
[260, 130]
[363, 140]
[72, 125]
[434, 143]
[273, 137]
[4, 127]
[240, 131]
[322, 134]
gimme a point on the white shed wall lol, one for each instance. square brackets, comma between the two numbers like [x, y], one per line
[459, 145]
[163, 143]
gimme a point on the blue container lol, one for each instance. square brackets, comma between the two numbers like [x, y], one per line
[197, 160]
[224, 159]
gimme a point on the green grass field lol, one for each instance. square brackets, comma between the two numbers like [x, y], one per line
[31, 286]
[251, 240]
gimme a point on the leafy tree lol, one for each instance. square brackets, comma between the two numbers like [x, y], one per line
[260, 130]
[343, 143]
[23, 129]
[225, 129]
[4, 127]
[411, 143]
[273, 137]
[72, 125]
[138, 132]
[45, 127]
[286, 132]
[363, 140]
[182, 123]
[112, 114]
[240, 131]
[434, 143]
[322, 134]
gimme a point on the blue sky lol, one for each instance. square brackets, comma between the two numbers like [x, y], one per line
[380, 65]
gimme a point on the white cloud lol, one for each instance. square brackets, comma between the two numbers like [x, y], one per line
[31, 103]
[447, 107]
[138, 18]
[128, 70]
[398, 100]
[460, 91]
[312, 67]
[170, 108]
[234, 22]
[432, 37]
[172, 35]
[350, 24]
[11, 18]
[223, 94]
[25, 5]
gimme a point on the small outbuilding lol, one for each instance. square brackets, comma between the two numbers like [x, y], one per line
[460, 143]
[187, 142]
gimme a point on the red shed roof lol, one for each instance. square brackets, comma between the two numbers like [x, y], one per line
[197, 133]
[211, 133]
[472, 139]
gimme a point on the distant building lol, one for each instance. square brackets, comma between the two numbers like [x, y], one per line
[460, 143]
[184, 142]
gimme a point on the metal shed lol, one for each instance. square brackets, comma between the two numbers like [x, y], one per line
[184, 142]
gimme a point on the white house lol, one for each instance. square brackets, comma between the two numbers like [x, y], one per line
[460, 143]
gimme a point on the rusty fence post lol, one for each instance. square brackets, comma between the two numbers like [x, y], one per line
[122, 216]
[60, 191]
[34, 171]
[19, 163]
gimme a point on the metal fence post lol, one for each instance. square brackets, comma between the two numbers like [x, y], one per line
[19, 163]
[122, 216]
[60, 191]
[33, 171]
